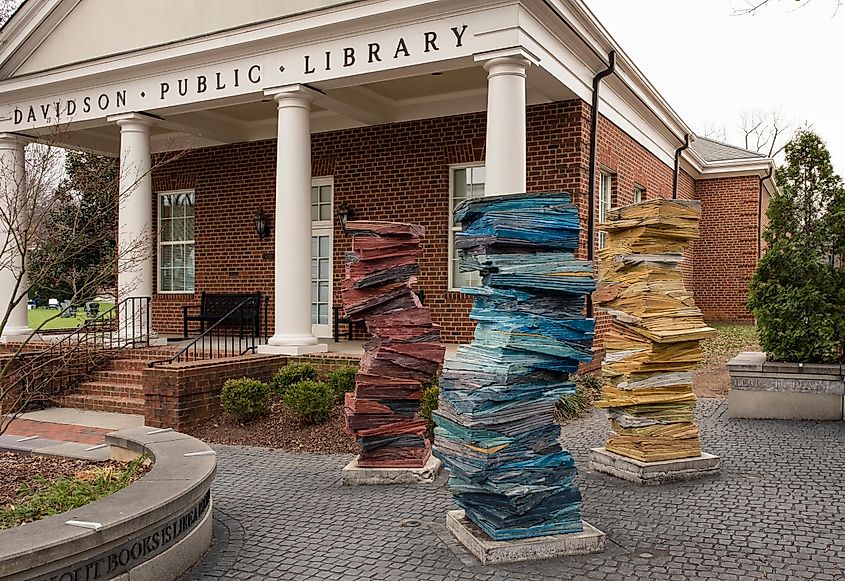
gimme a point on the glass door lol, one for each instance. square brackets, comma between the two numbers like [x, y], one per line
[322, 245]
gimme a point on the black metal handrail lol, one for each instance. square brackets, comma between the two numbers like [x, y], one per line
[51, 371]
[214, 342]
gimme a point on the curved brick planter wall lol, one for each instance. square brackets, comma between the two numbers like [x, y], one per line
[154, 529]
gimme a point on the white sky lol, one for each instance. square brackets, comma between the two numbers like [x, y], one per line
[712, 65]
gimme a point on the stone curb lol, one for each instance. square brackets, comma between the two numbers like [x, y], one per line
[180, 480]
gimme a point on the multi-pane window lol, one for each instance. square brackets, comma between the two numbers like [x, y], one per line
[176, 242]
[466, 183]
[321, 279]
[321, 203]
[322, 193]
[605, 196]
[639, 194]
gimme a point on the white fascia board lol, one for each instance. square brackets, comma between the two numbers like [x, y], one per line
[575, 63]
[20, 30]
[599, 43]
[638, 78]
[325, 26]
[737, 168]
[487, 26]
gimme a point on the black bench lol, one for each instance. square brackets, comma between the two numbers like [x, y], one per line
[214, 307]
[341, 319]
[338, 319]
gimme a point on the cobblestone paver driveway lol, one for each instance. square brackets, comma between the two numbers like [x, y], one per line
[776, 512]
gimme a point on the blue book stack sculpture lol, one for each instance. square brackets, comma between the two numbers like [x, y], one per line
[495, 427]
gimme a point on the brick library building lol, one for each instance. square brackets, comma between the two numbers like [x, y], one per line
[249, 132]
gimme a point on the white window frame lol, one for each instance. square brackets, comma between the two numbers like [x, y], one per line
[452, 227]
[605, 201]
[638, 194]
[161, 242]
[321, 228]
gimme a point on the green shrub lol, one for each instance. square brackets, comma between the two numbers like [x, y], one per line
[797, 293]
[573, 405]
[245, 399]
[311, 400]
[428, 403]
[592, 384]
[342, 380]
[291, 374]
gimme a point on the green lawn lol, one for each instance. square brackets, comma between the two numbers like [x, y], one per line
[38, 316]
[728, 342]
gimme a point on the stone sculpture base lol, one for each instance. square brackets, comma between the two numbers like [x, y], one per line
[355, 476]
[654, 473]
[488, 551]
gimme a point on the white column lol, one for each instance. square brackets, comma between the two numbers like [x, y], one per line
[13, 279]
[135, 241]
[292, 334]
[505, 158]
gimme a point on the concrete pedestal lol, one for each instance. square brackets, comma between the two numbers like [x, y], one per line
[353, 475]
[653, 473]
[488, 551]
[292, 350]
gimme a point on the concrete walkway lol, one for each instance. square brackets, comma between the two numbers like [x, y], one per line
[774, 513]
[65, 432]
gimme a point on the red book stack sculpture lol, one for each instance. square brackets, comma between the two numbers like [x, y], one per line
[405, 350]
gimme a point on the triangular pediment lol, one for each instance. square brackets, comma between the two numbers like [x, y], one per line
[88, 30]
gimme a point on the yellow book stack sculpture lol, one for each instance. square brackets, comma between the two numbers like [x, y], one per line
[653, 343]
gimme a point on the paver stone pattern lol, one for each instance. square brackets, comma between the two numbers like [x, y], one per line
[774, 513]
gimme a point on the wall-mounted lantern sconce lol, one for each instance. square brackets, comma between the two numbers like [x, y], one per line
[262, 224]
[345, 213]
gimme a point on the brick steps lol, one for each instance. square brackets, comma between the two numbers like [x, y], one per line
[117, 386]
[107, 389]
[100, 403]
[117, 377]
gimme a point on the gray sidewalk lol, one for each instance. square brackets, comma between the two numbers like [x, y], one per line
[776, 512]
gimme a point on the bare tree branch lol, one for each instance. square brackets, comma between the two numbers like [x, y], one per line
[753, 6]
[30, 209]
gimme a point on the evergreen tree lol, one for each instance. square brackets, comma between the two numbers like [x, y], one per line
[798, 291]
[85, 209]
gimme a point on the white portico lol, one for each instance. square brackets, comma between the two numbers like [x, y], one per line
[288, 70]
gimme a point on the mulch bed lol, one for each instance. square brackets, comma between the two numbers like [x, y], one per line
[281, 429]
[17, 470]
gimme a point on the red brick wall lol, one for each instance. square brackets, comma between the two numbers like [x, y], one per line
[393, 172]
[631, 165]
[726, 254]
[184, 395]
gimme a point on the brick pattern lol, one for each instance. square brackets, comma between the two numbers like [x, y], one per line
[726, 254]
[59, 432]
[399, 172]
[184, 395]
[631, 165]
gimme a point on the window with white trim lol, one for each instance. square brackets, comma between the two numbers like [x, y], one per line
[176, 271]
[465, 182]
[605, 196]
[639, 194]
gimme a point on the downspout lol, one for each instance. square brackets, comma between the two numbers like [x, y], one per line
[591, 184]
[678, 153]
[768, 176]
